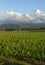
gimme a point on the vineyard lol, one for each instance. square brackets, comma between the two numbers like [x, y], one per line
[23, 45]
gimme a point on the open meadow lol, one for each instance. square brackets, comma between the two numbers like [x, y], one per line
[22, 47]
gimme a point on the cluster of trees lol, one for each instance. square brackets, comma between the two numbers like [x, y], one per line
[13, 29]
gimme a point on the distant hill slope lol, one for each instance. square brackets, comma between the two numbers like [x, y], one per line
[23, 26]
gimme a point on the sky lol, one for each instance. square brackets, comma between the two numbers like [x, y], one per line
[22, 6]
[22, 11]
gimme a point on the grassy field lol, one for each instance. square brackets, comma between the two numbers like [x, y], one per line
[24, 46]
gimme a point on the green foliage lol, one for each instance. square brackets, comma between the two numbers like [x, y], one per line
[22, 45]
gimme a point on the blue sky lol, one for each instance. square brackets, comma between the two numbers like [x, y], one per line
[22, 6]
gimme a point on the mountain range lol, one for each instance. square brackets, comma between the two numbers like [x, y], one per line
[22, 25]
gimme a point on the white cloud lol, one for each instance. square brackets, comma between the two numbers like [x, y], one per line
[11, 13]
[38, 11]
[10, 16]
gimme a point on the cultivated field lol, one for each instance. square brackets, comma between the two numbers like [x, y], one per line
[22, 46]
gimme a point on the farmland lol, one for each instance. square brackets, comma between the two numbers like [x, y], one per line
[23, 45]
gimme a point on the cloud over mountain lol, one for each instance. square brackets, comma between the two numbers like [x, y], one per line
[10, 16]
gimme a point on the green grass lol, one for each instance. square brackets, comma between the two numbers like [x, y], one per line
[23, 45]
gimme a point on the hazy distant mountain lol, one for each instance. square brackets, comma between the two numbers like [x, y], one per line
[23, 25]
